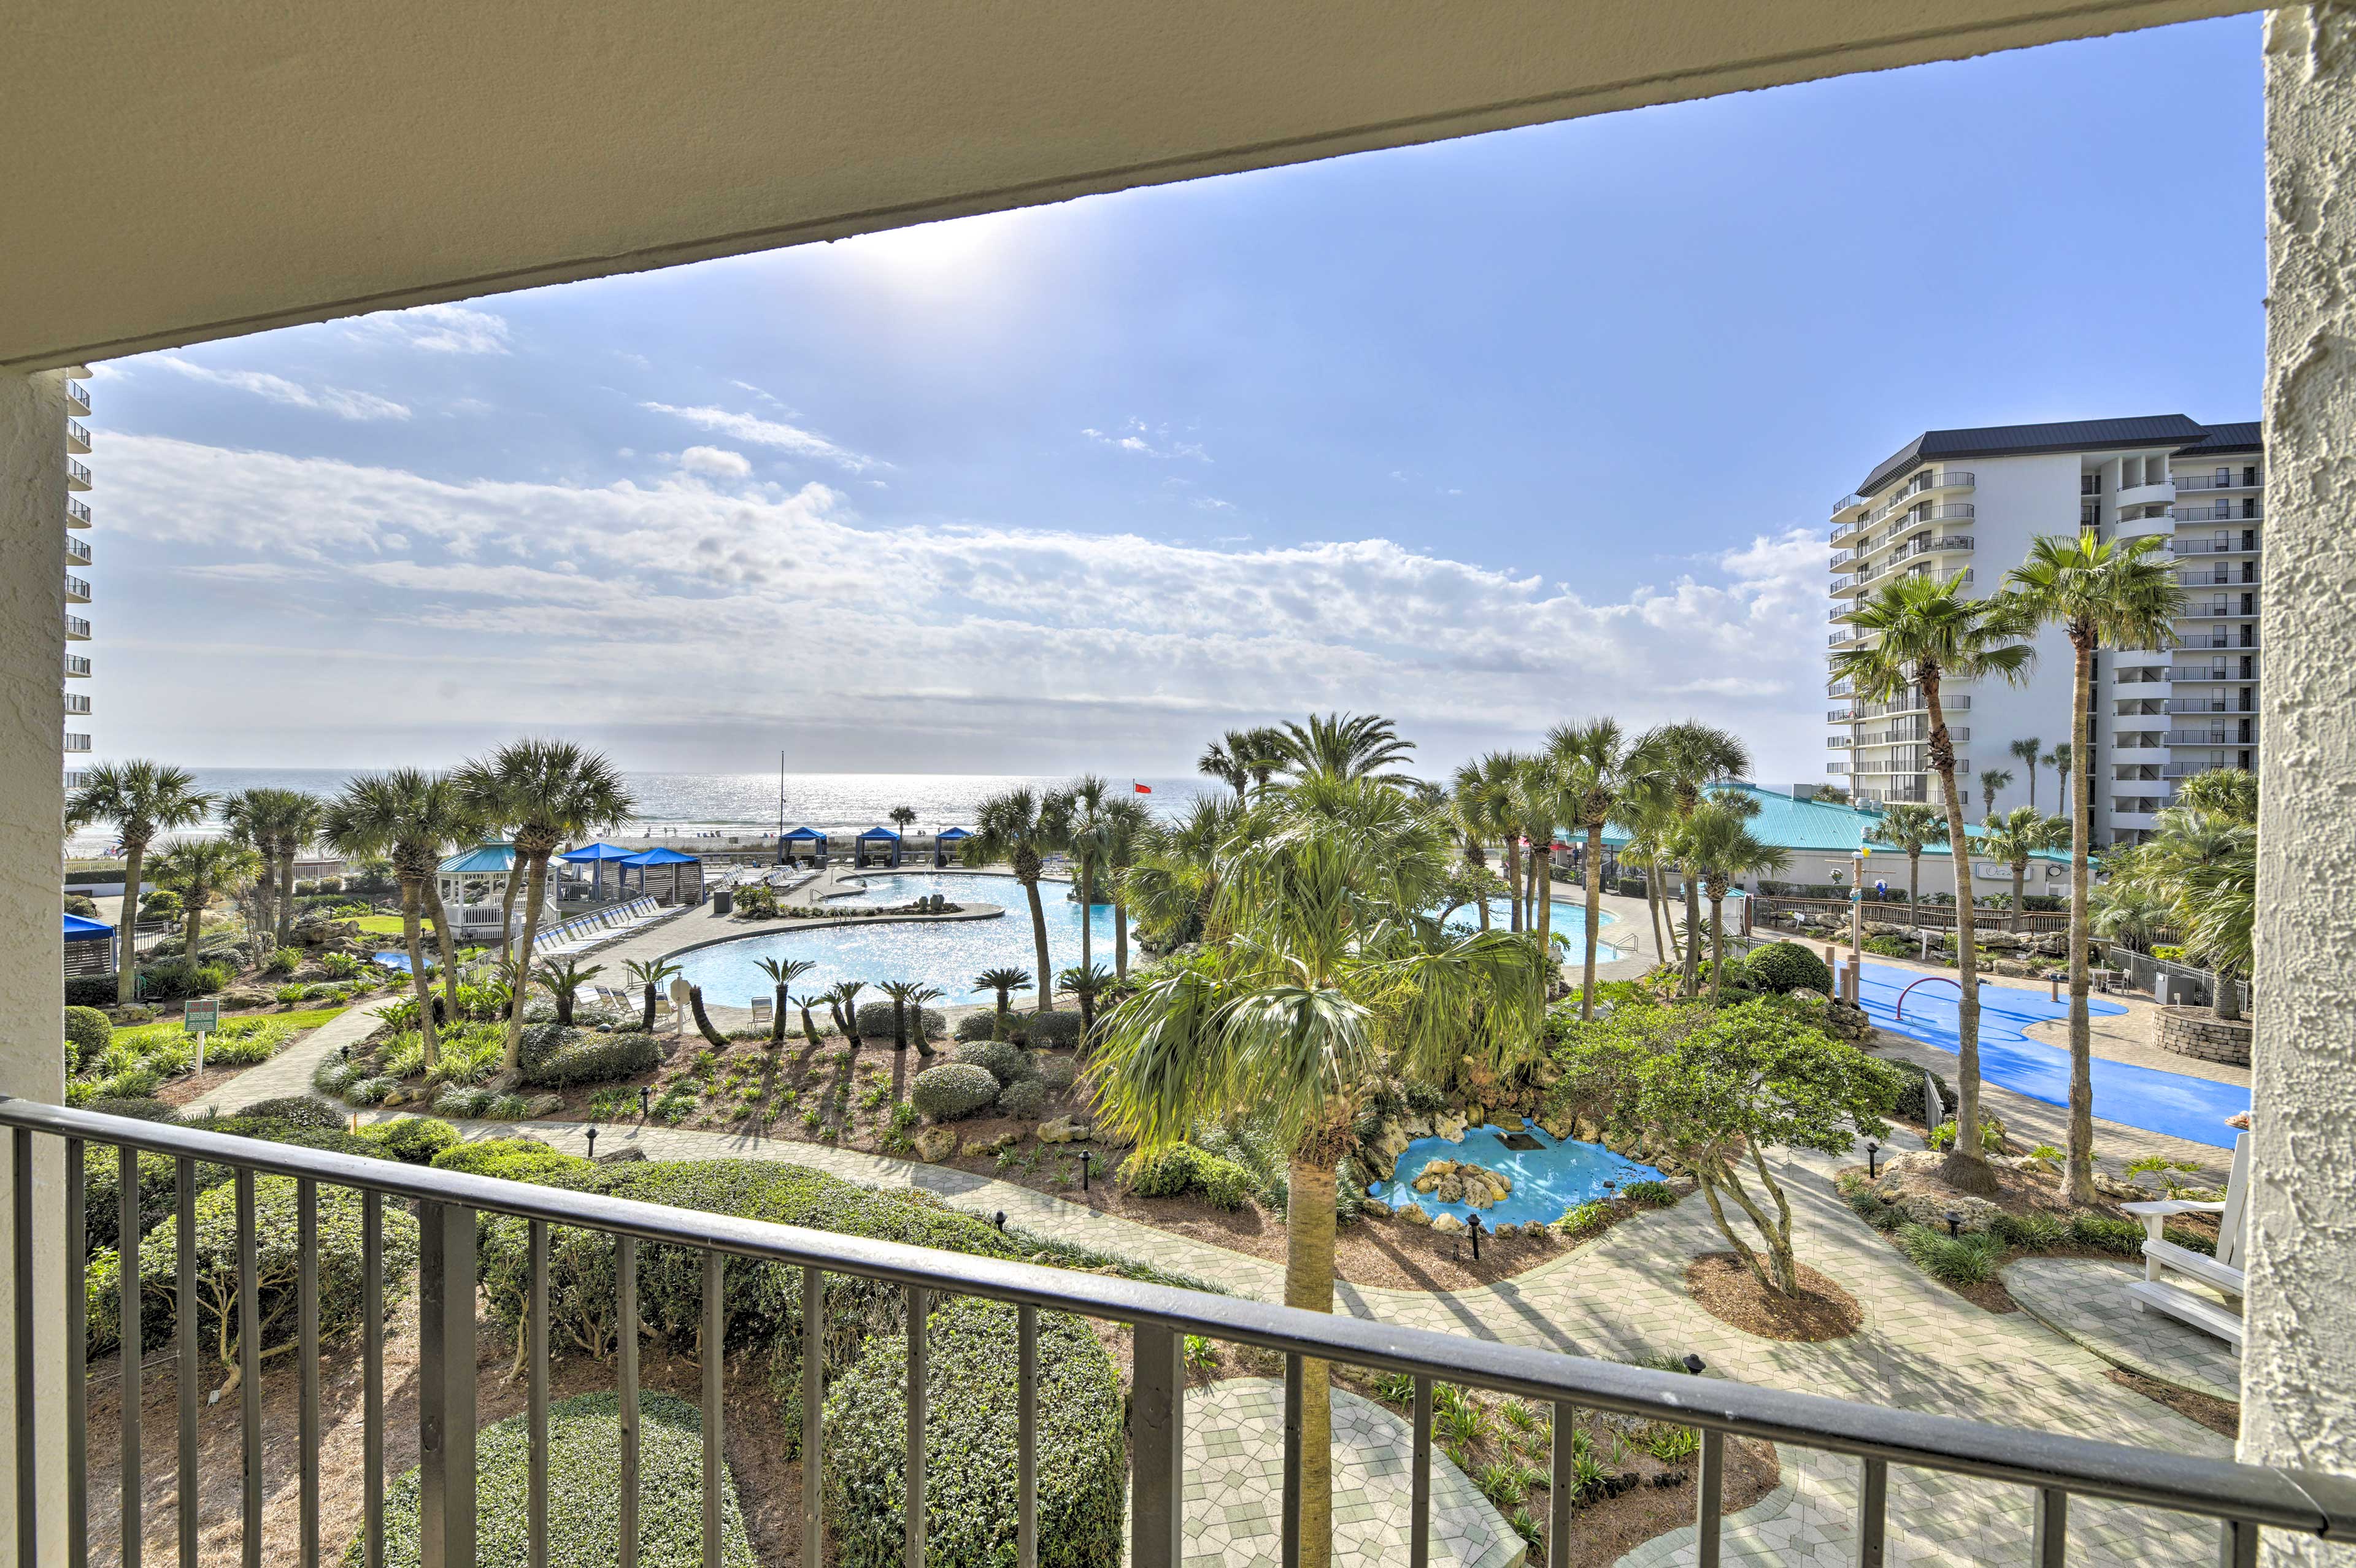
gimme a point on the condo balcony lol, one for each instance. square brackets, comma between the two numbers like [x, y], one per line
[77, 742]
[2242, 574]
[77, 666]
[1836, 767]
[76, 778]
[2216, 612]
[77, 702]
[2222, 702]
[2247, 510]
[2187, 770]
[77, 590]
[2233, 545]
[1839, 716]
[1923, 484]
[77, 474]
[2214, 735]
[2235, 480]
[77, 513]
[77, 436]
[1837, 742]
[78, 396]
[2148, 493]
[77, 629]
[2221, 671]
[77, 551]
[2241, 637]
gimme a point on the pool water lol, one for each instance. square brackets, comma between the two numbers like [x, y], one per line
[2173, 1103]
[1569, 922]
[1556, 1175]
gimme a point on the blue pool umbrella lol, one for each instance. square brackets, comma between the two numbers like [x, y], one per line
[595, 856]
[658, 856]
[944, 840]
[77, 929]
[880, 836]
[801, 841]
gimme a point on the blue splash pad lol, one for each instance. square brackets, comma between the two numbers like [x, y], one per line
[1546, 1180]
[2177, 1104]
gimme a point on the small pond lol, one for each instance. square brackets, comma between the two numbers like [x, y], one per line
[1547, 1179]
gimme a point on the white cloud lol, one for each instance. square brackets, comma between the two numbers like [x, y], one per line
[771, 433]
[1146, 440]
[715, 460]
[1213, 504]
[337, 401]
[757, 392]
[437, 329]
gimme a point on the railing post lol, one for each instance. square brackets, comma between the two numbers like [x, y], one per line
[1157, 1439]
[446, 1401]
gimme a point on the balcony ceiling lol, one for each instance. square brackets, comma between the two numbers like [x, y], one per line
[206, 168]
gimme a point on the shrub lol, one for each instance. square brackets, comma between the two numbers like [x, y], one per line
[1182, 1168]
[337, 1254]
[300, 1110]
[145, 1107]
[952, 1091]
[1025, 1098]
[1782, 967]
[983, 1025]
[248, 1049]
[1059, 1029]
[1958, 1260]
[77, 904]
[89, 990]
[413, 1140]
[281, 961]
[1583, 1219]
[87, 1034]
[334, 1075]
[584, 1488]
[158, 1191]
[160, 903]
[970, 1446]
[597, 1059]
[2033, 1231]
[371, 1091]
[1058, 1073]
[513, 1159]
[2124, 1237]
[171, 981]
[462, 1102]
[1649, 1194]
[875, 1022]
[1000, 1059]
[1908, 1106]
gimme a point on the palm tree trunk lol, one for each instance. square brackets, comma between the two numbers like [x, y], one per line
[535, 892]
[1039, 945]
[449, 948]
[1087, 912]
[285, 889]
[1693, 935]
[1309, 1227]
[1716, 943]
[2020, 877]
[2078, 1161]
[1594, 915]
[415, 943]
[777, 1019]
[507, 910]
[1914, 888]
[1513, 883]
[127, 965]
[1964, 1166]
[1664, 950]
[1542, 906]
[195, 927]
[1120, 938]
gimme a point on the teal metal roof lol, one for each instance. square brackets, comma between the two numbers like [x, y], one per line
[499, 857]
[1815, 827]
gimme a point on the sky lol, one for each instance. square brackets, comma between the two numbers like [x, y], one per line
[1487, 436]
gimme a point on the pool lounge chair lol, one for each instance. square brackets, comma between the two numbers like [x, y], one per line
[2154, 1293]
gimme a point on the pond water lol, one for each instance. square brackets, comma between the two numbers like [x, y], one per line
[1548, 1179]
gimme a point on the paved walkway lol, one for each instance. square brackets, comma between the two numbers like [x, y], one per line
[2087, 1299]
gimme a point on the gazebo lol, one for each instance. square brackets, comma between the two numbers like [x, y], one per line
[89, 946]
[883, 840]
[680, 878]
[801, 842]
[948, 842]
[595, 856]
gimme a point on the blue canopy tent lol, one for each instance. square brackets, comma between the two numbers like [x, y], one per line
[89, 946]
[595, 856]
[801, 842]
[673, 865]
[885, 842]
[948, 842]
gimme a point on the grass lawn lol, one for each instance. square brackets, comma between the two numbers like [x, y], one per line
[390, 925]
[142, 1036]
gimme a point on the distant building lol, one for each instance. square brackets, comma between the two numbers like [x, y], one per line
[77, 521]
[1967, 502]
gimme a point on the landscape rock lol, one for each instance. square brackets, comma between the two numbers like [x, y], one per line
[1449, 1125]
[1374, 1205]
[973, 1148]
[1932, 1208]
[1419, 1127]
[1414, 1215]
[1557, 1126]
[1063, 1130]
[935, 1144]
[1384, 1153]
[628, 1155]
[1449, 1225]
[540, 1105]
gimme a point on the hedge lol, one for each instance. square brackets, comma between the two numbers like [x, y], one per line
[1002, 1060]
[875, 1022]
[512, 1159]
[1781, 967]
[596, 1058]
[952, 1091]
[159, 1179]
[1052, 1030]
[279, 1259]
[300, 1109]
[143, 1108]
[1182, 1168]
[413, 1140]
[87, 1034]
[1024, 1098]
[584, 1489]
[969, 1445]
[983, 1025]
[1909, 1106]
[91, 990]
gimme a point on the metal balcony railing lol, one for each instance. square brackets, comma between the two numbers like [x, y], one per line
[2218, 704]
[2232, 481]
[77, 436]
[77, 742]
[77, 513]
[2220, 576]
[1840, 715]
[77, 474]
[77, 590]
[2217, 512]
[78, 396]
[2214, 736]
[76, 703]
[1837, 742]
[2221, 639]
[77, 628]
[77, 664]
[77, 551]
[2225, 672]
[2213, 547]
[2216, 612]
[2245, 1500]
[2188, 769]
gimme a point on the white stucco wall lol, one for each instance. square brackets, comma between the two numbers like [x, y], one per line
[2299, 1373]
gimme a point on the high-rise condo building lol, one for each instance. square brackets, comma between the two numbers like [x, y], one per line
[76, 524]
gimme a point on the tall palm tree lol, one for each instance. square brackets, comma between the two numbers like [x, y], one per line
[2205, 863]
[1344, 746]
[1333, 977]
[1084, 805]
[1538, 804]
[2014, 837]
[2122, 594]
[1596, 766]
[2129, 913]
[902, 816]
[1991, 780]
[1920, 634]
[1170, 881]
[278, 824]
[2228, 793]
[483, 796]
[1483, 794]
[2058, 759]
[1689, 757]
[142, 798]
[1914, 826]
[782, 974]
[2026, 750]
[407, 814]
[1224, 760]
[1022, 827]
[196, 869]
[551, 791]
[1128, 831]
[1650, 812]
[1722, 850]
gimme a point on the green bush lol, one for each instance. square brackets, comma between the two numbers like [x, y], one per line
[584, 1489]
[511, 1159]
[77, 904]
[875, 1022]
[179, 978]
[1025, 1098]
[1182, 1168]
[299, 1109]
[952, 1091]
[413, 1140]
[2124, 1237]
[1058, 1073]
[1908, 1106]
[969, 1445]
[1959, 1260]
[1002, 1060]
[983, 1025]
[279, 1259]
[596, 1058]
[101, 1185]
[2034, 1232]
[1055, 1030]
[1582, 1220]
[89, 990]
[87, 1034]
[281, 961]
[1650, 1194]
[1781, 967]
[144, 1107]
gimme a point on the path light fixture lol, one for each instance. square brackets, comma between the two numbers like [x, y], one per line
[347, 1052]
[1695, 1364]
[1473, 1226]
[593, 1142]
[1084, 1170]
[645, 1109]
[1872, 1159]
[1955, 1225]
[999, 1219]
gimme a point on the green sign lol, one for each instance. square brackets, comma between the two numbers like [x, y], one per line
[202, 1017]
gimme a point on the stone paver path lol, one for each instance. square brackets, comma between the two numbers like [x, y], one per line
[289, 1072]
[2087, 1299]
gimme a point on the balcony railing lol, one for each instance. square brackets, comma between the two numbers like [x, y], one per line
[2216, 612]
[2212, 547]
[2226, 672]
[2211, 482]
[2245, 1498]
[1951, 479]
[2219, 576]
[2216, 512]
[1837, 742]
[77, 513]
[77, 590]
[77, 551]
[1837, 767]
[76, 703]
[77, 664]
[77, 742]
[78, 396]
[1840, 715]
[2221, 639]
[77, 629]
[77, 474]
[2187, 770]
[77, 436]
[2218, 704]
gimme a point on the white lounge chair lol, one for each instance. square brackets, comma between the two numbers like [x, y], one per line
[2153, 1293]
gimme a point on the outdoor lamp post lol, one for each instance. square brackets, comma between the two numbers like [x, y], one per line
[1954, 1224]
[1695, 1364]
[1873, 1154]
[593, 1141]
[645, 1108]
[1473, 1226]
[1084, 1170]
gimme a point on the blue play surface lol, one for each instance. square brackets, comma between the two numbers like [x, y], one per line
[2173, 1103]
[1548, 1179]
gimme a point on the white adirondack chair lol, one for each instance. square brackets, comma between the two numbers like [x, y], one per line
[2154, 1293]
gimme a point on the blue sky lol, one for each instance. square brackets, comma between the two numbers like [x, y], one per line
[1487, 435]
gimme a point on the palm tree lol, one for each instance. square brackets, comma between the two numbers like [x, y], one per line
[563, 978]
[903, 992]
[1333, 979]
[1921, 634]
[1596, 767]
[1128, 830]
[278, 824]
[1722, 850]
[2118, 594]
[1085, 983]
[1176, 872]
[1650, 814]
[902, 816]
[1005, 982]
[782, 974]
[196, 869]
[1991, 780]
[2058, 759]
[553, 791]
[1539, 802]
[1087, 830]
[1344, 746]
[2130, 913]
[1483, 796]
[1224, 760]
[2015, 836]
[1914, 826]
[2202, 858]
[2026, 750]
[142, 798]
[408, 814]
[1689, 757]
[1020, 826]
[844, 999]
[2228, 793]
[920, 997]
[649, 974]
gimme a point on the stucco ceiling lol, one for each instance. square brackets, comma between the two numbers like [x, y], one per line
[207, 167]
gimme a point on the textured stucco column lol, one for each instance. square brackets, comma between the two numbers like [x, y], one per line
[2298, 1370]
[32, 956]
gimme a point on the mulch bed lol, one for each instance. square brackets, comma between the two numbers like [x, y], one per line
[2221, 1417]
[1723, 1285]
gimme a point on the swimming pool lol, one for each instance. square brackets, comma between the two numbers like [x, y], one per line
[2173, 1103]
[1548, 1179]
[1569, 922]
[948, 953]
